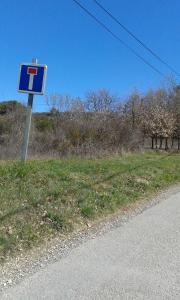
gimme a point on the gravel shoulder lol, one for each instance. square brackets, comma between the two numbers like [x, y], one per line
[25, 265]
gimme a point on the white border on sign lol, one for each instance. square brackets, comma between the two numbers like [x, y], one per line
[44, 78]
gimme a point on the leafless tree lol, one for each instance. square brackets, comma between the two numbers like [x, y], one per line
[100, 101]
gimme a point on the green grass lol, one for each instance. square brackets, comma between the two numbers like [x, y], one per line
[41, 198]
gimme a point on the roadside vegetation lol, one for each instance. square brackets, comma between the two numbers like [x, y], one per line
[78, 170]
[41, 199]
[98, 124]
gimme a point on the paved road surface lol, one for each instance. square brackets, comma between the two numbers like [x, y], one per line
[139, 260]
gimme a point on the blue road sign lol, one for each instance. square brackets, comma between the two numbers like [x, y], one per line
[32, 79]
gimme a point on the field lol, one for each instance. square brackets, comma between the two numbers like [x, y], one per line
[41, 199]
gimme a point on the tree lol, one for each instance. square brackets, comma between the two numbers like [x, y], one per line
[59, 102]
[132, 109]
[100, 101]
[157, 121]
[174, 106]
[77, 105]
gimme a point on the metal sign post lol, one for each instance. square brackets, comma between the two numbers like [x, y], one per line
[31, 81]
[27, 128]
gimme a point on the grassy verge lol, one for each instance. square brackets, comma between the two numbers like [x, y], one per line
[41, 198]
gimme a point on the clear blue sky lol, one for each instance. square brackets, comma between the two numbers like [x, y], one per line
[79, 54]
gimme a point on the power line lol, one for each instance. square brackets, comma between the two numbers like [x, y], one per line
[117, 38]
[137, 39]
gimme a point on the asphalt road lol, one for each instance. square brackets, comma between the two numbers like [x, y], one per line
[139, 260]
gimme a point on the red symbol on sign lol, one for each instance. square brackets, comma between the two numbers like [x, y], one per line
[32, 71]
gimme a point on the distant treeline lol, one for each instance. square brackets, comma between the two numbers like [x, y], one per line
[100, 123]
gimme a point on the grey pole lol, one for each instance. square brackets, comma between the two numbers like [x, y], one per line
[28, 123]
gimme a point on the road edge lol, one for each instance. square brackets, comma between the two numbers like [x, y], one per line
[19, 268]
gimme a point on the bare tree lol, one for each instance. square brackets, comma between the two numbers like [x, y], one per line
[77, 105]
[132, 109]
[100, 101]
[59, 102]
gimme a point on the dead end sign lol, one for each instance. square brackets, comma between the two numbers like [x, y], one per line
[32, 78]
